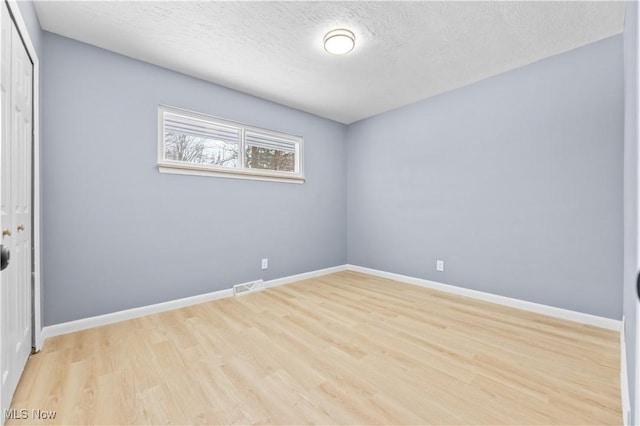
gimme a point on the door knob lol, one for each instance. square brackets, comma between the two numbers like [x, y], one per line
[20, 227]
[6, 233]
[5, 254]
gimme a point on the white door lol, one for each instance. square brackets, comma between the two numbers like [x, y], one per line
[16, 86]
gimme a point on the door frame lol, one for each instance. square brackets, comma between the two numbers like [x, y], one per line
[635, 405]
[36, 294]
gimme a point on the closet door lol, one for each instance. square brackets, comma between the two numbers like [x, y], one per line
[16, 111]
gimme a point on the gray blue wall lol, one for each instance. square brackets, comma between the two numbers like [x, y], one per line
[514, 181]
[631, 158]
[119, 235]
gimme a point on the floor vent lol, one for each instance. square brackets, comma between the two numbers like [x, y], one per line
[246, 288]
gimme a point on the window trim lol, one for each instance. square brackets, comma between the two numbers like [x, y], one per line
[240, 172]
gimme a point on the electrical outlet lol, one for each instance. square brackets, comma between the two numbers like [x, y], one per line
[440, 265]
[265, 263]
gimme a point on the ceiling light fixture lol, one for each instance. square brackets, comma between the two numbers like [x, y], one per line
[339, 42]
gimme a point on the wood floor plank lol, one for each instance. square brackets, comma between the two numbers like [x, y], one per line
[345, 348]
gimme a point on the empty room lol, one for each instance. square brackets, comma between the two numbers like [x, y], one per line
[319, 212]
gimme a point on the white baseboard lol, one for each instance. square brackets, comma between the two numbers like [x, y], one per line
[580, 317]
[39, 338]
[304, 276]
[624, 379]
[97, 321]
[607, 323]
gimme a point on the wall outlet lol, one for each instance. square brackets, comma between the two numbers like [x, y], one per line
[265, 263]
[440, 265]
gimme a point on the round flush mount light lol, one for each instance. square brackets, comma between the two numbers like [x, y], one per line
[339, 42]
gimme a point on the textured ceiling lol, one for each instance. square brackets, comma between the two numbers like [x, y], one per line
[405, 51]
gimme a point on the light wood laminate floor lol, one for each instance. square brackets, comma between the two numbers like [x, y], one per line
[345, 348]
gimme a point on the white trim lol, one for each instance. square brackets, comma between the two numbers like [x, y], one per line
[240, 172]
[624, 379]
[580, 317]
[636, 350]
[304, 276]
[37, 287]
[100, 320]
[184, 169]
[97, 321]
[37, 295]
[636, 406]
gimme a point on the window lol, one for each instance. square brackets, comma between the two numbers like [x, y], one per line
[193, 143]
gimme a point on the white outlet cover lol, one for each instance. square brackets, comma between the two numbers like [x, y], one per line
[265, 263]
[440, 265]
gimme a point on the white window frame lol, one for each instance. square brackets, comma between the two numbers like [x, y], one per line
[240, 172]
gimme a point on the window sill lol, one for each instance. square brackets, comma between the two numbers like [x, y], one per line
[183, 169]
